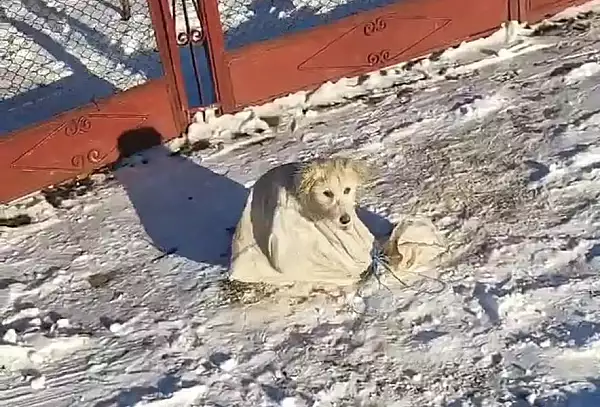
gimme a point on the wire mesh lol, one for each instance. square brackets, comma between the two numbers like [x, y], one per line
[56, 55]
[248, 21]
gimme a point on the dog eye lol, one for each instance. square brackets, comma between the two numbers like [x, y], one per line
[346, 191]
[328, 194]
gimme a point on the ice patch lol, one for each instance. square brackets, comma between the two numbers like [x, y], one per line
[181, 398]
[15, 358]
[228, 365]
[38, 383]
[52, 349]
[518, 311]
[587, 158]
[580, 73]
[480, 108]
[578, 364]
[10, 337]
[289, 402]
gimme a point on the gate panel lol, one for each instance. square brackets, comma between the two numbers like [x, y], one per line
[354, 45]
[81, 140]
[537, 10]
[74, 75]
[57, 55]
[248, 21]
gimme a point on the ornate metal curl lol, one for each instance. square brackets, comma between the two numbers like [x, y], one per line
[92, 157]
[76, 126]
[374, 26]
[195, 35]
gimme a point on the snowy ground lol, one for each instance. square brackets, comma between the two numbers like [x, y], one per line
[112, 297]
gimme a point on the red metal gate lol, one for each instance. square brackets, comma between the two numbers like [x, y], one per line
[74, 39]
[358, 43]
[349, 46]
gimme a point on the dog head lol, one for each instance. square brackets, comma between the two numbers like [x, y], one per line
[327, 189]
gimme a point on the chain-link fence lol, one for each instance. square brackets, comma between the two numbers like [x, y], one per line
[56, 55]
[248, 21]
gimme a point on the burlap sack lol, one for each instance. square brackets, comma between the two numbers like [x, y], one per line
[415, 243]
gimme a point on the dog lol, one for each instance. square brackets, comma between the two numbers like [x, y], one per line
[300, 224]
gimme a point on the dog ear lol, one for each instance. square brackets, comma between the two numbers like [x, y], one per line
[361, 169]
[307, 176]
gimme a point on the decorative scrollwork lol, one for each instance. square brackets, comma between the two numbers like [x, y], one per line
[78, 126]
[376, 58]
[92, 157]
[374, 26]
[182, 38]
[77, 161]
[196, 35]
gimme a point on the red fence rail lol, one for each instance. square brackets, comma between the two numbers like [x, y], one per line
[79, 140]
[200, 65]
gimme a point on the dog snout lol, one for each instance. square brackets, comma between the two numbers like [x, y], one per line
[345, 219]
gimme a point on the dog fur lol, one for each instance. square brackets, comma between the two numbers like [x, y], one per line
[326, 189]
[300, 222]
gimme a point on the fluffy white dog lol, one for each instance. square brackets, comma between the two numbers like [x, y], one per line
[300, 225]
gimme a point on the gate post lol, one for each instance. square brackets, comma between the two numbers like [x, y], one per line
[164, 29]
[519, 8]
[210, 19]
[514, 10]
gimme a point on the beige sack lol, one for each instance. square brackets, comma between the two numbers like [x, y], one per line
[413, 244]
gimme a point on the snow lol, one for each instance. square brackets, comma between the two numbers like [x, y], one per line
[581, 73]
[115, 296]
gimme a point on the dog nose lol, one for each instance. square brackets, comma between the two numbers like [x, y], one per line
[345, 219]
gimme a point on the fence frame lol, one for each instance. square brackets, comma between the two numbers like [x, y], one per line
[164, 31]
[79, 141]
